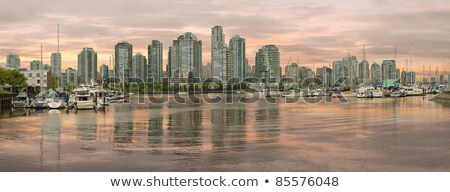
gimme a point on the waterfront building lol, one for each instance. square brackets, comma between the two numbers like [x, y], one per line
[35, 65]
[338, 72]
[291, 71]
[351, 69]
[206, 72]
[87, 66]
[410, 77]
[364, 72]
[155, 61]
[185, 58]
[325, 75]
[55, 61]
[375, 73]
[69, 78]
[238, 59]
[104, 72]
[12, 60]
[219, 54]
[38, 79]
[305, 73]
[268, 58]
[441, 79]
[46, 67]
[123, 61]
[139, 68]
[388, 70]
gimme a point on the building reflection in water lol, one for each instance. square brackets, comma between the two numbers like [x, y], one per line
[155, 126]
[228, 126]
[50, 146]
[267, 124]
[184, 130]
[87, 130]
[123, 128]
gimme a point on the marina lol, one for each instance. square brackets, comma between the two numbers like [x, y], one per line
[363, 134]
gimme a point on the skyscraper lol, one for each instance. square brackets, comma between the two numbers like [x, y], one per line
[375, 73]
[155, 61]
[364, 72]
[55, 63]
[123, 61]
[104, 72]
[35, 65]
[272, 53]
[291, 71]
[12, 60]
[338, 71]
[139, 68]
[351, 69]
[388, 70]
[87, 66]
[219, 54]
[185, 57]
[324, 74]
[238, 59]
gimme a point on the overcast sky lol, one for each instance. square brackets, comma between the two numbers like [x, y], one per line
[304, 30]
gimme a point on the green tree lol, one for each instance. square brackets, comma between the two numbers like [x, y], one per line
[12, 77]
[53, 82]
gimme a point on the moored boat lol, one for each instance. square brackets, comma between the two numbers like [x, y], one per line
[21, 101]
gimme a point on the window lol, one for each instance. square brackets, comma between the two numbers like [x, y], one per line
[38, 81]
[38, 75]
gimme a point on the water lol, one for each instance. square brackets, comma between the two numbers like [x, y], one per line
[390, 134]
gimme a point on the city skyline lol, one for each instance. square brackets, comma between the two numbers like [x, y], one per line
[308, 31]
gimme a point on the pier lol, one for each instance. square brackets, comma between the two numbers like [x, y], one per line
[6, 101]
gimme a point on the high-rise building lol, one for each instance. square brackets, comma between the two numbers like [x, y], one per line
[238, 59]
[87, 66]
[71, 74]
[268, 60]
[155, 61]
[338, 71]
[104, 72]
[351, 69]
[35, 65]
[206, 72]
[291, 71]
[12, 60]
[397, 73]
[305, 73]
[46, 67]
[364, 72]
[375, 73]
[123, 61]
[185, 58]
[441, 79]
[388, 70]
[325, 75]
[55, 61]
[219, 51]
[410, 77]
[139, 68]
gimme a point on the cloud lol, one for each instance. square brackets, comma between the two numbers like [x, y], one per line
[317, 30]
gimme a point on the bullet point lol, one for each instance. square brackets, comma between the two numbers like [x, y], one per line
[267, 181]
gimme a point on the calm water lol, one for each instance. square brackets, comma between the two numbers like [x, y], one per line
[406, 134]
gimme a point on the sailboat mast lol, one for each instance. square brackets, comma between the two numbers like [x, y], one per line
[58, 37]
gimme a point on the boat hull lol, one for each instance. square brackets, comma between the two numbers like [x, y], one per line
[84, 105]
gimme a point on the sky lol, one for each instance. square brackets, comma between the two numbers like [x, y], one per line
[306, 31]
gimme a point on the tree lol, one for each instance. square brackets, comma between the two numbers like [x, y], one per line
[53, 82]
[12, 77]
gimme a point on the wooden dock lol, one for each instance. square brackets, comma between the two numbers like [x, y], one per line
[6, 101]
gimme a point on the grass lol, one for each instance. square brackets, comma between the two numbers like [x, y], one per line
[4, 92]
